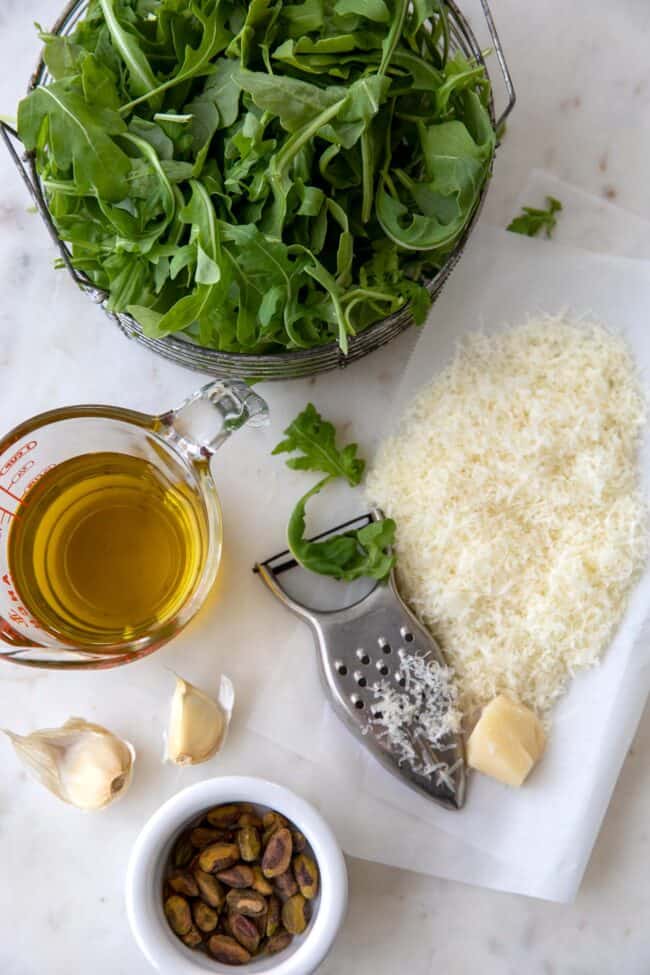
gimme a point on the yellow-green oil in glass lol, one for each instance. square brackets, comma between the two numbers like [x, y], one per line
[106, 548]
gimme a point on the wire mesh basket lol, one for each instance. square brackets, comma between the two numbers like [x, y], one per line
[283, 365]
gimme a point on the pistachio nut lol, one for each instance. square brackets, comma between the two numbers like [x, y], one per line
[247, 902]
[183, 852]
[250, 844]
[204, 835]
[260, 922]
[295, 914]
[225, 949]
[273, 916]
[277, 855]
[205, 917]
[183, 882]
[193, 938]
[299, 841]
[285, 885]
[278, 942]
[218, 856]
[273, 820]
[249, 819]
[245, 931]
[239, 876]
[177, 911]
[224, 816]
[260, 883]
[210, 889]
[239, 884]
[306, 874]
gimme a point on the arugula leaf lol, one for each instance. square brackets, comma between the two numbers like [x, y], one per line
[197, 61]
[370, 9]
[78, 138]
[60, 55]
[315, 440]
[142, 78]
[455, 167]
[346, 556]
[303, 18]
[261, 175]
[532, 220]
[295, 102]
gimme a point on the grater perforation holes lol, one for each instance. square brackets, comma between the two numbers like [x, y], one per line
[357, 701]
[363, 656]
[406, 634]
[360, 679]
[341, 669]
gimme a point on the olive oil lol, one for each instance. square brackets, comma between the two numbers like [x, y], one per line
[106, 547]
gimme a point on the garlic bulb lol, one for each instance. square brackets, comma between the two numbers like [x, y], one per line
[197, 723]
[81, 763]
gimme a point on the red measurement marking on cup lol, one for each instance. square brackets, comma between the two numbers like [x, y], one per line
[36, 479]
[8, 583]
[17, 613]
[20, 473]
[20, 453]
[14, 497]
[7, 493]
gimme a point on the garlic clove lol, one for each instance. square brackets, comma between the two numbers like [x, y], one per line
[81, 763]
[197, 723]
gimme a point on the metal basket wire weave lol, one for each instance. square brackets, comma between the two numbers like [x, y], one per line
[284, 365]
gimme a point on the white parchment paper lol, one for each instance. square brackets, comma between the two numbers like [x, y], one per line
[552, 822]
[536, 840]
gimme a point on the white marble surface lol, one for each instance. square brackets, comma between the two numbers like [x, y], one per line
[583, 81]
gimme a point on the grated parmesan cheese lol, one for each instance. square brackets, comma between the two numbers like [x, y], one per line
[423, 709]
[520, 525]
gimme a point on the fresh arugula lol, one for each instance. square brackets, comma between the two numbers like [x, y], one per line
[314, 440]
[260, 175]
[531, 220]
[347, 555]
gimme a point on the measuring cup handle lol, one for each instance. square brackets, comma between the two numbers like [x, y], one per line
[203, 422]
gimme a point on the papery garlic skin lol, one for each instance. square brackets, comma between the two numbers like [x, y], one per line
[197, 723]
[83, 764]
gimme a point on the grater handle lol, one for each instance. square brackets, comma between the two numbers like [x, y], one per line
[270, 579]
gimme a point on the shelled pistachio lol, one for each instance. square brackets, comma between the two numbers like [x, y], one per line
[240, 884]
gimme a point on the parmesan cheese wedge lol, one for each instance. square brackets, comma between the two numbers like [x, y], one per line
[507, 741]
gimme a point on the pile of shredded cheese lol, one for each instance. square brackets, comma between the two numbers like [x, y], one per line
[425, 708]
[520, 525]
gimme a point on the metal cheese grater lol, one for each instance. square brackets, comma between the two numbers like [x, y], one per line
[359, 646]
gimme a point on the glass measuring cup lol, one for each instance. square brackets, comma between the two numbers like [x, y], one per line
[178, 444]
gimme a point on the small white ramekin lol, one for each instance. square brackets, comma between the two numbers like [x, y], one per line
[144, 880]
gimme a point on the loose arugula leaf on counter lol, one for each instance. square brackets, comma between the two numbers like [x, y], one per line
[347, 556]
[532, 220]
[260, 175]
[315, 439]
